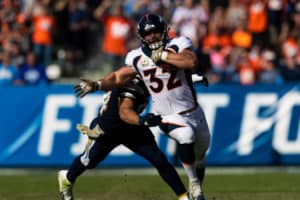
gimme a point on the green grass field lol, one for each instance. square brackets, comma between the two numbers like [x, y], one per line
[42, 185]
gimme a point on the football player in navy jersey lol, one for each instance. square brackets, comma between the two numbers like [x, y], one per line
[108, 130]
[166, 67]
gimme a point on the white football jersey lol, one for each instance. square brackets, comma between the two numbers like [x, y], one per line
[171, 91]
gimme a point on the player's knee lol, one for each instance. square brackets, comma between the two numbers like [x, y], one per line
[183, 135]
[186, 153]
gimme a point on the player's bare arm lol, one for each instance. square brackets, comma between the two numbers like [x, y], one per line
[110, 81]
[184, 60]
[130, 116]
[117, 78]
[126, 111]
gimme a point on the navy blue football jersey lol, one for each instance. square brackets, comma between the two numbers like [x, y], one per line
[109, 119]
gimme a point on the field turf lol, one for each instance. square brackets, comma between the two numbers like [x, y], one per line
[42, 185]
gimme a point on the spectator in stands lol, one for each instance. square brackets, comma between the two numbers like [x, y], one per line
[189, 20]
[78, 26]
[247, 22]
[217, 43]
[283, 34]
[8, 73]
[217, 3]
[290, 70]
[241, 37]
[247, 74]
[42, 36]
[289, 46]
[17, 55]
[11, 33]
[275, 11]
[290, 64]
[268, 71]
[235, 12]
[117, 31]
[61, 15]
[9, 10]
[296, 18]
[135, 9]
[32, 72]
[258, 21]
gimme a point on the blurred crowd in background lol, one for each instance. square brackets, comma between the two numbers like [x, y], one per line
[237, 41]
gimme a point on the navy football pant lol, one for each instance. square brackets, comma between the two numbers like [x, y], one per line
[138, 139]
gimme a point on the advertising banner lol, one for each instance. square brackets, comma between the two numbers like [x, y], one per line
[250, 125]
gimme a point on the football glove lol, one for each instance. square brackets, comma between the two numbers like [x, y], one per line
[92, 133]
[156, 54]
[150, 119]
[86, 86]
[200, 79]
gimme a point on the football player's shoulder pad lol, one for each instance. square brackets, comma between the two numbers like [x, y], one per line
[180, 43]
[135, 88]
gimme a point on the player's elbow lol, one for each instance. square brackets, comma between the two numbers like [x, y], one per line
[123, 115]
[192, 63]
[189, 59]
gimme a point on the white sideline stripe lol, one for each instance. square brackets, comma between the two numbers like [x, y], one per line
[152, 171]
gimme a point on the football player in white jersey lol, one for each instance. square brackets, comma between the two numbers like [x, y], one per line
[166, 66]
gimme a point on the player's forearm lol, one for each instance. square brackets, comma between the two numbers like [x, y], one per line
[129, 116]
[109, 82]
[181, 60]
[116, 79]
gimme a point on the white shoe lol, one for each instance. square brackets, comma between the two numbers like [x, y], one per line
[184, 196]
[65, 187]
[195, 191]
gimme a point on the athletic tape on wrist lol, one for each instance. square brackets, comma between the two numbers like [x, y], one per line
[164, 56]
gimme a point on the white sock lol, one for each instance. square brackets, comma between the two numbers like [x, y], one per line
[190, 171]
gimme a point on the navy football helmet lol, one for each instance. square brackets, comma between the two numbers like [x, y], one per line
[138, 89]
[152, 23]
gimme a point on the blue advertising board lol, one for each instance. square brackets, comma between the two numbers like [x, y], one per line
[250, 125]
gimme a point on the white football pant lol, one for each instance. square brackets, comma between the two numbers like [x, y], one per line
[191, 127]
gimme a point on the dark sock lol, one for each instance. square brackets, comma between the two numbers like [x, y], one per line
[200, 174]
[186, 153]
[75, 170]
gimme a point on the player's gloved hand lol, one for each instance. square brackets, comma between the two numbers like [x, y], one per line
[156, 54]
[200, 79]
[150, 119]
[205, 81]
[92, 133]
[86, 86]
